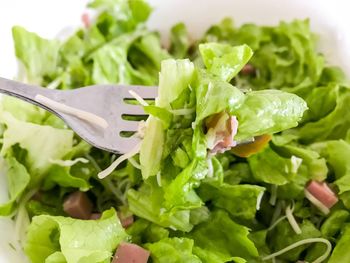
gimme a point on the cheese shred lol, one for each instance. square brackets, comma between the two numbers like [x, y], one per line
[84, 115]
[304, 242]
[293, 223]
[68, 163]
[138, 98]
[135, 163]
[316, 202]
[118, 161]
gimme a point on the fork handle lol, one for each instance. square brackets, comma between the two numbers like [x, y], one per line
[23, 91]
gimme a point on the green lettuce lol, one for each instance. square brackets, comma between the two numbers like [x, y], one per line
[180, 42]
[240, 201]
[175, 250]
[143, 231]
[224, 238]
[17, 181]
[147, 202]
[58, 175]
[214, 95]
[332, 126]
[334, 223]
[41, 143]
[185, 200]
[52, 238]
[224, 61]
[267, 112]
[175, 77]
[39, 56]
[269, 167]
[341, 252]
[179, 193]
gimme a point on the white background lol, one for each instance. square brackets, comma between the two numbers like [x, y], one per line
[330, 19]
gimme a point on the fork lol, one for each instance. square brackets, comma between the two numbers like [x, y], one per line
[107, 102]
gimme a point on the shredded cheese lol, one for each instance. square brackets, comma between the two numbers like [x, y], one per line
[258, 201]
[273, 197]
[295, 162]
[293, 223]
[55, 83]
[138, 98]
[277, 212]
[316, 202]
[134, 163]
[304, 242]
[141, 129]
[159, 179]
[210, 168]
[67, 163]
[118, 161]
[84, 115]
[279, 220]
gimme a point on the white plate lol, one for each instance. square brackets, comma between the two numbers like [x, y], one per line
[329, 19]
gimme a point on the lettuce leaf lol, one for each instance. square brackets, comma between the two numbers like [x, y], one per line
[52, 238]
[220, 235]
[284, 55]
[42, 144]
[175, 77]
[341, 251]
[224, 61]
[58, 175]
[336, 152]
[315, 163]
[208, 256]
[147, 202]
[267, 112]
[179, 194]
[175, 250]
[17, 181]
[214, 95]
[334, 223]
[269, 167]
[240, 201]
[39, 56]
[330, 127]
[143, 231]
[180, 42]
[126, 14]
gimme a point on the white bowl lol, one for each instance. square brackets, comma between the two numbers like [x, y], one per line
[329, 19]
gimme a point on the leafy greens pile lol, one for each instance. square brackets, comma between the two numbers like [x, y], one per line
[195, 199]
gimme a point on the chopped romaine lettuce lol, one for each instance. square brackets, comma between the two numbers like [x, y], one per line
[193, 198]
[71, 240]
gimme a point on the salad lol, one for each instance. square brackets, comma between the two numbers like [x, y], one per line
[244, 155]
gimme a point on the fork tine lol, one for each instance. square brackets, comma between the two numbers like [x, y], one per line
[128, 125]
[125, 144]
[144, 91]
[129, 109]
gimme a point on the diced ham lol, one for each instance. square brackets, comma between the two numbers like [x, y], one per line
[130, 253]
[322, 192]
[95, 216]
[37, 196]
[221, 130]
[248, 70]
[78, 205]
[85, 19]
[126, 221]
[246, 150]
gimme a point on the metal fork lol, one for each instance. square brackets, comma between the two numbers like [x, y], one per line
[106, 101]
